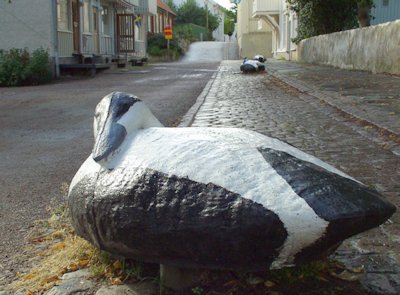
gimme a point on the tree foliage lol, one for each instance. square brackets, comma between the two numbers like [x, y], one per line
[316, 17]
[230, 20]
[190, 12]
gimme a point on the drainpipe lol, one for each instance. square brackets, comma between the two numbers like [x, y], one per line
[288, 39]
[55, 38]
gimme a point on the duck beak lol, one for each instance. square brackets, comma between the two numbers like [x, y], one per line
[108, 140]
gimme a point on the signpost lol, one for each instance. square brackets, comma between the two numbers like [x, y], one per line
[168, 32]
[168, 36]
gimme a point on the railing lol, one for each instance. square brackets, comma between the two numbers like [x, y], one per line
[266, 7]
[140, 48]
[106, 45]
[87, 44]
[65, 43]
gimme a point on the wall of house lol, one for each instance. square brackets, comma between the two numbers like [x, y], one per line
[385, 11]
[374, 49]
[26, 24]
[254, 35]
[256, 43]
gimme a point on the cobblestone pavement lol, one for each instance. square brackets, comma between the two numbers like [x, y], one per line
[372, 98]
[265, 104]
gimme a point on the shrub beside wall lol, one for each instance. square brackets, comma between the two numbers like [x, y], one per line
[19, 67]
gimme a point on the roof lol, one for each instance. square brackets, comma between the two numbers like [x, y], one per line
[164, 6]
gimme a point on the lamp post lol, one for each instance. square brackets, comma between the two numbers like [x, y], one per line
[206, 2]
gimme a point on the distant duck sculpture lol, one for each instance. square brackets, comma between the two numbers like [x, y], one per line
[260, 58]
[222, 198]
[253, 65]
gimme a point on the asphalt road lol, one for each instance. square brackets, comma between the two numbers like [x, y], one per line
[46, 133]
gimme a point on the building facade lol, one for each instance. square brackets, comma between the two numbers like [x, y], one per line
[254, 35]
[165, 17]
[283, 22]
[385, 11]
[76, 32]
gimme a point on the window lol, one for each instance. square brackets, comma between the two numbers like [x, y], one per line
[86, 16]
[64, 15]
[385, 3]
[105, 20]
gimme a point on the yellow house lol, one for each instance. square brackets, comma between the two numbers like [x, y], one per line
[283, 22]
[254, 35]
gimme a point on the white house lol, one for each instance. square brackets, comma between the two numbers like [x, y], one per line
[254, 35]
[76, 33]
[283, 22]
[385, 11]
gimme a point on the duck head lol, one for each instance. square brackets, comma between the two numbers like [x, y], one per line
[117, 115]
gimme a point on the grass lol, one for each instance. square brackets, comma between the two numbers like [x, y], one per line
[57, 250]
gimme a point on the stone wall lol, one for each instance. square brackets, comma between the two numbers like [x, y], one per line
[375, 49]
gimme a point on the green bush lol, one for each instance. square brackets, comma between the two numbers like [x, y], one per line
[13, 66]
[154, 50]
[39, 67]
[18, 67]
[157, 45]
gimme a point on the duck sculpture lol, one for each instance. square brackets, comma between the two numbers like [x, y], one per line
[222, 198]
[260, 58]
[252, 65]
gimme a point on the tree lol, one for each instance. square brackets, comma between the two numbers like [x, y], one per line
[171, 5]
[316, 17]
[230, 20]
[190, 13]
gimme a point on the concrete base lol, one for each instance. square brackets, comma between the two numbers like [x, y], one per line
[178, 278]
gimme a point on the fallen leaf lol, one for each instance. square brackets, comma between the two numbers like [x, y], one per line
[345, 276]
[83, 263]
[29, 292]
[269, 284]
[359, 269]
[117, 264]
[232, 283]
[58, 246]
[72, 267]
[116, 281]
[51, 279]
[30, 276]
[254, 280]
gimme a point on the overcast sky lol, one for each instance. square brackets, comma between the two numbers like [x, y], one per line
[225, 3]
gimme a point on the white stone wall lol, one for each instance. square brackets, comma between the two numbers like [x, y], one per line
[26, 24]
[375, 49]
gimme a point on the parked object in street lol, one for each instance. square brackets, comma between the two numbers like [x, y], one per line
[251, 66]
[224, 198]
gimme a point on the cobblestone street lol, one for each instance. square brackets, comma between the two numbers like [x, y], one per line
[265, 104]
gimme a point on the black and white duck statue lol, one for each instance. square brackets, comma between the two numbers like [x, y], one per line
[222, 198]
[254, 65]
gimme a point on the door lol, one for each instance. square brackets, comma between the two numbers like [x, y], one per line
[76, 27]
[95, 33]
[125, 33]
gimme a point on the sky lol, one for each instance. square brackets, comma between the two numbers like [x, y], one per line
[225, 3]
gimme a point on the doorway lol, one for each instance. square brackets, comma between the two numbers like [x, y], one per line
[76, 26]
